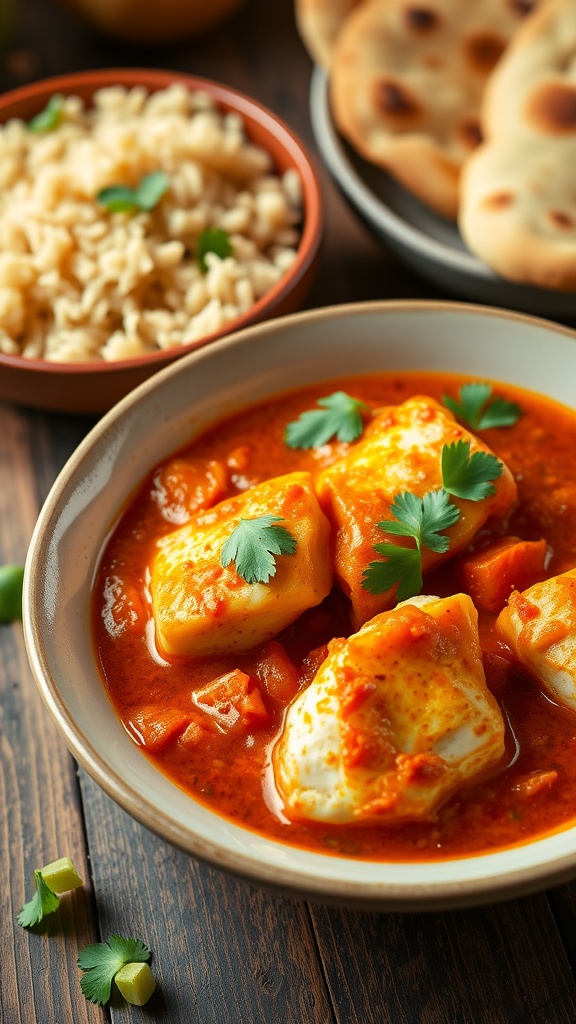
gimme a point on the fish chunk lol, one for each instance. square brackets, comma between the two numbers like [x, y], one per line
[201, 607]
[397, 718]
[399, 451]
[539, 625]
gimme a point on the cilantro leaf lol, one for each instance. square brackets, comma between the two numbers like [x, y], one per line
[469, 476]
[477, 412]
[253, 545]
[500, 413]
[117, 199]
[151, 189]
[402, 566]
[421, 519]
[214, 240]
[43, 902]
[125, 199]
[102, 961]
[340, 417]
[11, 577]
[49, 118]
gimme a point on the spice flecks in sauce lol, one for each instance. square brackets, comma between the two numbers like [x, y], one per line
[535, 789]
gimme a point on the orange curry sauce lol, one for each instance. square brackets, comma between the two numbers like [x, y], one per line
[227, 771]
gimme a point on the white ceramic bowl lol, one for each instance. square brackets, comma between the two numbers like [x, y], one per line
[159, 417]
[426, 242]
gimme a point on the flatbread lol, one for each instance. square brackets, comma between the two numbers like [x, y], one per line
[518, 190]
[319, 22]
[406, 84]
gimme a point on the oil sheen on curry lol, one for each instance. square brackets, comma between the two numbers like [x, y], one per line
[346, 618]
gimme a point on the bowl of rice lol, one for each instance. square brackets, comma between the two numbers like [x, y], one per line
[143, 214]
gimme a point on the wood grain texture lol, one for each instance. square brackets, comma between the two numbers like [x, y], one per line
[40, 811]
[486, 966]
[224, 951]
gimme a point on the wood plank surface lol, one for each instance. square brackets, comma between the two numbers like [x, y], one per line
[223, 951]
[483, 966]
[40, 808]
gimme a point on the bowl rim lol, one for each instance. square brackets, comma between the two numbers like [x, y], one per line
[511, 882]
[227, 96]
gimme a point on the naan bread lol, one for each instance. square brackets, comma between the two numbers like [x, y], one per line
[407, 81]
[518, 190]
[319, 22]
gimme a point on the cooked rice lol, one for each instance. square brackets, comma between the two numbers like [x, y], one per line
[78, 283]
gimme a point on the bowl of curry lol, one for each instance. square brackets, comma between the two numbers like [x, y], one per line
[304, 604]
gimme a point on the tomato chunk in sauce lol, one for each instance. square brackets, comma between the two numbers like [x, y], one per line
[210, 723]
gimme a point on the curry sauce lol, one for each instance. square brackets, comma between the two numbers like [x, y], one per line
[531, 792]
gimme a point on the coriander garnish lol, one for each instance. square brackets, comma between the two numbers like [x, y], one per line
[11, 577]
[124, 199]
[102, 961]
[468, 476]
[49, 118]
[419, 518]
[214, 240]
[464, 476]
[57, 877]
[475, 409]
[340, 416]
[43, 902]
[253, 545]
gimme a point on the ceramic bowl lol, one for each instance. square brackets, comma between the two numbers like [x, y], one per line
[424, 241]
[159, 418]
[95, 387]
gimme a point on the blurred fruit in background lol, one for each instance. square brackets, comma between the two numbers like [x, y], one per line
[152, 21]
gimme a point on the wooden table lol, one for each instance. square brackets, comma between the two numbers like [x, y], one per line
[223, 951]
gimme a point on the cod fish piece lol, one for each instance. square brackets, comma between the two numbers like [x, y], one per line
[201, 607]
[397, 718]
[539, 625]
[399, 451]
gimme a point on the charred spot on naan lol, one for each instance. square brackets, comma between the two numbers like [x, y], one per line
[421, 20]
[396, 104]
[551, 108]
[483, 50]
[498, 200]
[522, 7]
[470, 133]
[561, 220]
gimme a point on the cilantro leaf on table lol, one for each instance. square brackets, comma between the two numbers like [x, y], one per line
[340, 416]
[214, 240]
[422, 519]
[102, 961]
[475, 409]
[43, 902]
[468, 476]
[252, 546]
[49, 118]
[11, 578]
[125, 199]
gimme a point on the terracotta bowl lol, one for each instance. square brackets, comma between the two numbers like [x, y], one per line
[158, 419]
[95, 387]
